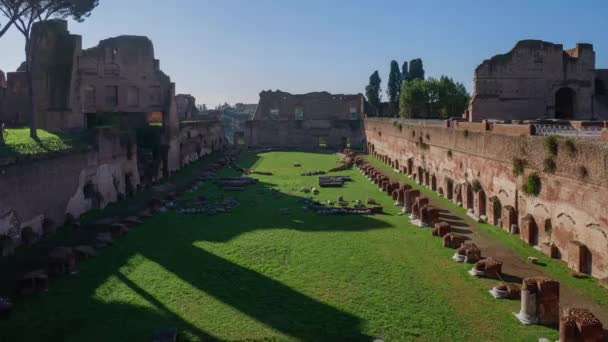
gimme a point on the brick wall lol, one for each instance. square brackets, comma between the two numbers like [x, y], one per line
[570, 206]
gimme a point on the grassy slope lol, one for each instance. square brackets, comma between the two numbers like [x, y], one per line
[257, 274]
[588, 287]
[19, 143]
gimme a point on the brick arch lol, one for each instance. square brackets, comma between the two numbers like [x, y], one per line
[529, 230]
[494, 210]
[480, 203]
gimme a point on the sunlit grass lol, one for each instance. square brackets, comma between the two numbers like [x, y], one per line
[19, 143]
[257, 274]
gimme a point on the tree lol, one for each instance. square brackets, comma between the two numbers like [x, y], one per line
[453, 98]
[373, 90]
[394, 85]
[416, 69]
[405, 74]
[12, 10]
[413, 99]
[29, 12]
[432, 98]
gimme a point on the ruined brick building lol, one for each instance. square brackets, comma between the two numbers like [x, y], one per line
[113, 90]
[312, 120]
[540, 80]
[186, 107]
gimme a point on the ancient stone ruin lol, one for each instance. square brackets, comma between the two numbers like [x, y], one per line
[539, 301]
[540, 80]
[311, 121]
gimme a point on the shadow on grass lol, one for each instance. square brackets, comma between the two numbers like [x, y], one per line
[72, 312]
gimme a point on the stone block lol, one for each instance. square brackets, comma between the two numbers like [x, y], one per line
[442, 229]
[580, 325]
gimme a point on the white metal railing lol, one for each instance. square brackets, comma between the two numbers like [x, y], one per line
[593, 132]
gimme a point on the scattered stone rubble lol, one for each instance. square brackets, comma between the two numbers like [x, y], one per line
[506, 291]
[312, 173]
[334, 182]
[488, 267]
[468, 252]
[580, 325]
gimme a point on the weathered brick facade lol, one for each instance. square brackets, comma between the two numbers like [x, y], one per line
[570, 214]
[307, 121]
[538, 79]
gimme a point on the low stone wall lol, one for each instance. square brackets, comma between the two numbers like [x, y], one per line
[40, 194]
[200, 138]
[475, 167]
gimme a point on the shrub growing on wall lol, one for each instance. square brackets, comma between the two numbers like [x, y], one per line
[549, 165]
[532, 186]
[518, 166]
[450, 154]
[570, 146]
[551, 145]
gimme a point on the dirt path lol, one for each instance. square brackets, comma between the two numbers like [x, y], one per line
[515, 268]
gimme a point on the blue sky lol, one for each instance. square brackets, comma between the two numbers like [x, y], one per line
[230, 50]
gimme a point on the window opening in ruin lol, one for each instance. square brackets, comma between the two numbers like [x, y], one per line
[565, 103]
[274, 114]
[353, 113]
[299, 113]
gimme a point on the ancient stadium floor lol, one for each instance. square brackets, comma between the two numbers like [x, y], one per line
[260, 274]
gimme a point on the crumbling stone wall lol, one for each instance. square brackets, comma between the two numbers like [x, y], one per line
[186, 106]
[570, 206]
[308, 121]
[536, 79]
[49, 189]
[200, 138]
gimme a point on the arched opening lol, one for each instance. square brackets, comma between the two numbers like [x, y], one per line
[481, 203]
[410, 166]
[450, 188]
[469, 195]
[496, 213]
[565, 101]
[529, 230]
[396, 164]
[433, 183]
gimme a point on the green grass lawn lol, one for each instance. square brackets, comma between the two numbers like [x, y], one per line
[255, 274]
[18, 142]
